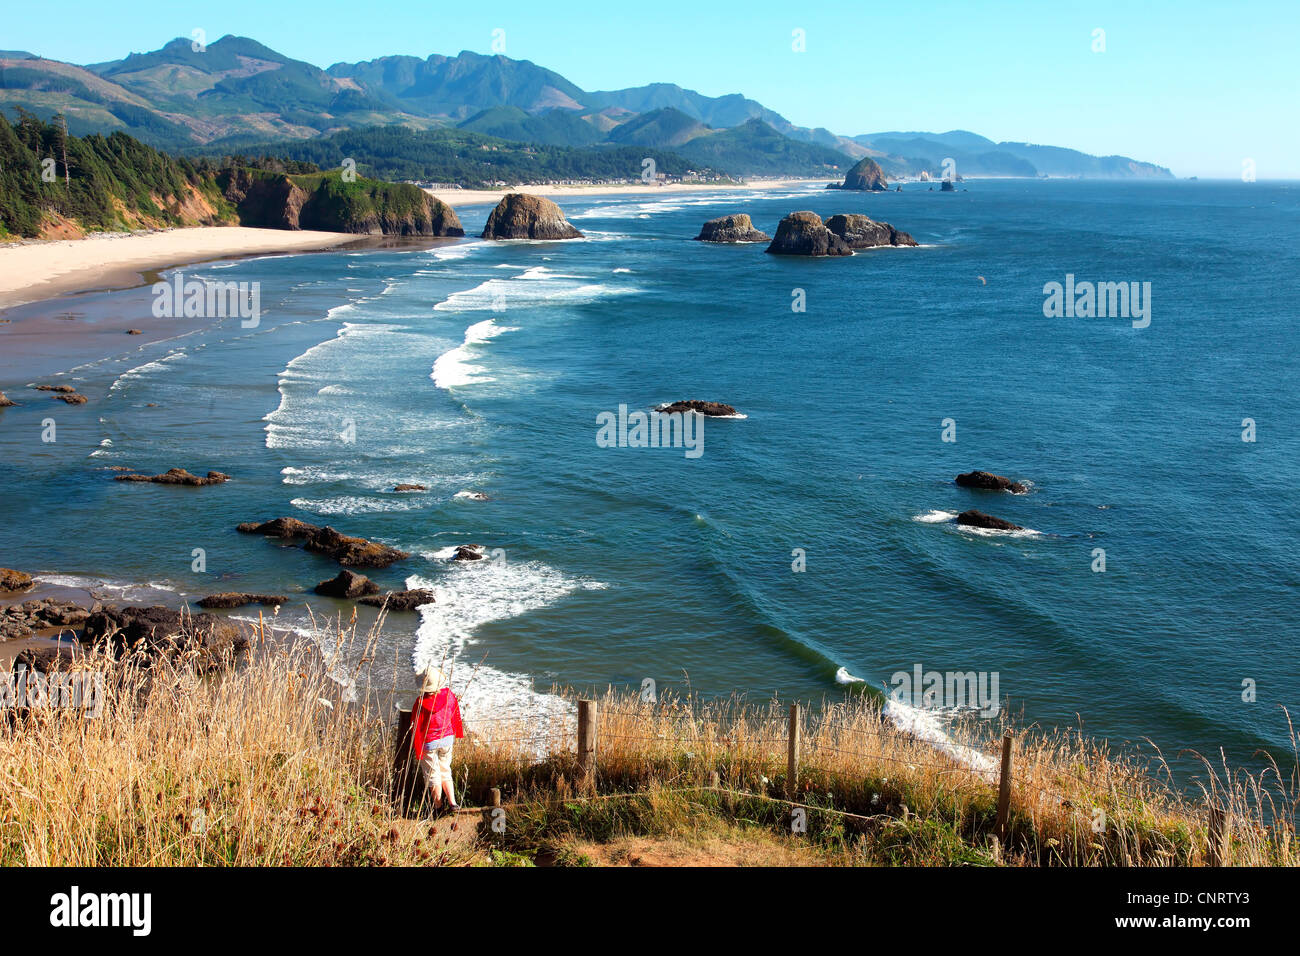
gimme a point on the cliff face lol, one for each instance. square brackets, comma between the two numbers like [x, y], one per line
[866, 174]
[520, 216]
[262, 199]
[327, 203]
[804, 234]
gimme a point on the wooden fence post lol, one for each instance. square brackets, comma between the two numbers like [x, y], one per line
[586, 741]
[792, 756]
[1220, 828]
[405, 776]
[493, 804]
[1004, 789]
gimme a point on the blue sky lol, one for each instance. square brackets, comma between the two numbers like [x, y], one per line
[1194, 86]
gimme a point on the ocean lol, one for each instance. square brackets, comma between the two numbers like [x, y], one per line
[809, 550]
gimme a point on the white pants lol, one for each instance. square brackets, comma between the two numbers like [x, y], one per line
[436, 764]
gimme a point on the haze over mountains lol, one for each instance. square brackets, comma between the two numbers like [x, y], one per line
[237, 94]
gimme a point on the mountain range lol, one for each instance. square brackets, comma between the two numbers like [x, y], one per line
[237, 94]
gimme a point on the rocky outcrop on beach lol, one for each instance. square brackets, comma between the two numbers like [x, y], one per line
[152, 630]
[520, 216]
[230, 599]
[362, 206]
[177, 476]
[737, 228]
[861, 232]
[347, 584]
[24, 620]
[711, 409]
[6, 402]
[986, 481]
[866, 175]
[804, 234]
[469, 552]
[978, 519]
[11, 580]
[347, 550]
[409, 488]
[400, 600]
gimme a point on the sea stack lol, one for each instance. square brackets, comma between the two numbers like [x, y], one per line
[520, 216]
[804, 234]
[861, 232]
[737, 228]
[865, 176]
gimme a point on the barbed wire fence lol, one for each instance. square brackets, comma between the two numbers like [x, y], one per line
[581, 742]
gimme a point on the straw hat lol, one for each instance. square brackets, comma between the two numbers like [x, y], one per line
[431, 681]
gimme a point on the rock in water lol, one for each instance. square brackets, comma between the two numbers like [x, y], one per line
[229, 599]
[737, 228]
[345, 549]
[177, 476]
[712, 409]
[72, 398]
[347, 584]
[520, 216]
[11, 580]
[350, 551]
[978, 519]
[409, 488]
[5, 402]
[866, 174]
[860, 232]
[468, 552]
[804, 234]
[986, 481]
[947, 186]
[400, 600]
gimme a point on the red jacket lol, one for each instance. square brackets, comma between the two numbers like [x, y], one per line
[433, 717]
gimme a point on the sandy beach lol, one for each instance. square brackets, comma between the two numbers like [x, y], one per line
[36, 270]
[478, 197]
[33, 271]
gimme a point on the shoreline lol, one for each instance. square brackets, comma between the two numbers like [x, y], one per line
[41, 270]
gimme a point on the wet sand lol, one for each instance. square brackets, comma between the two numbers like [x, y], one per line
[35, 270]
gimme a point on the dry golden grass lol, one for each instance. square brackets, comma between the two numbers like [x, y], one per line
[268, 763]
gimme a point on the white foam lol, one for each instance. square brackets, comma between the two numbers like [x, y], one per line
[928, 725]
[476, 593]
[356, 505]
[454, 368]
[936, 517]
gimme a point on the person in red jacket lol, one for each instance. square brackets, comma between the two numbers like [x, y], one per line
[435, 725]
